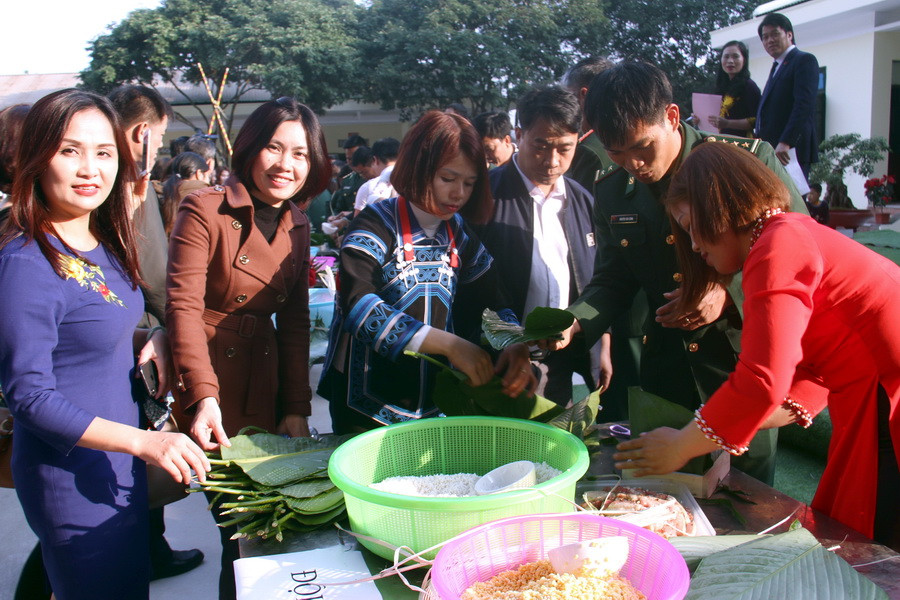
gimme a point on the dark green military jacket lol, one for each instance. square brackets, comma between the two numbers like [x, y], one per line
[344, 197]
[590, 158]
[635, 251]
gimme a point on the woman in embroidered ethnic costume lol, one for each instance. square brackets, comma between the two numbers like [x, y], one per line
[402, 263]
[69, 274]
[820, 329]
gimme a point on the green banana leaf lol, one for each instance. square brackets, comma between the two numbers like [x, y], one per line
[324, 502]
[321, 518]
[306, 489]
[455, 398]
[577, 418]
[275, 461]
[541, 323]
[647, 412]
[695, 548]
[787, 565]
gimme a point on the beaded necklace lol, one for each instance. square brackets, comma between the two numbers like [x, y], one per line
[761, 222]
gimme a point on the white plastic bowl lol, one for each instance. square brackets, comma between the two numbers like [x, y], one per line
[511, 476]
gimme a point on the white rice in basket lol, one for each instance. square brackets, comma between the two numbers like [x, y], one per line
[459, 485]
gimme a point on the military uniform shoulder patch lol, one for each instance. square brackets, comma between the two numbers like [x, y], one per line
[741, 142]
[606, 172]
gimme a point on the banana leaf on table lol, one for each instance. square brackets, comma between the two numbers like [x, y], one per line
[787, 565]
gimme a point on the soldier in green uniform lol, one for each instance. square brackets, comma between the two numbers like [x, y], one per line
[628, 328]
[686, 355]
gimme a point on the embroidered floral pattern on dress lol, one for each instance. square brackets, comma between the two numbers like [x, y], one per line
[711, 435]
[804, 419]
[89, 277]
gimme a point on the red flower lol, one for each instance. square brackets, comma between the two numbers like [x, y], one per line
[103, 289]
[890, 179]
[312, 277]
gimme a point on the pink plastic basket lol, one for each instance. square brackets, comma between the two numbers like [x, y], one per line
[654, 566]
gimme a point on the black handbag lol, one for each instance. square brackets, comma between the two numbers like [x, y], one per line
[6, 447]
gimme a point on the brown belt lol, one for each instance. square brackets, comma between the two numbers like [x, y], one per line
[245, 324]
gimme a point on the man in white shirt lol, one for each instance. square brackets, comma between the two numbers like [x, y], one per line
[541, 236]
[384, 155]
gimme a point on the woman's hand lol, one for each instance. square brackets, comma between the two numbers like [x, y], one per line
[175, 453]
[156, 348]
[206, 428]
[515, 365]
[293, 426]
[465, 356]
[707, 310]
[719, 122]
[662, 450]
[471, 360]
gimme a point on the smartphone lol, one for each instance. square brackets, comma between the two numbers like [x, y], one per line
[150, 376]
[145, 153]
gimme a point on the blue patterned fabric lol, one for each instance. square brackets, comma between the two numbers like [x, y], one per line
[384, 300]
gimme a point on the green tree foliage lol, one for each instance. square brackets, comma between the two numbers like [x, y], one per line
[404, 55]
[287, 47]
[429, 53]
[675, 36]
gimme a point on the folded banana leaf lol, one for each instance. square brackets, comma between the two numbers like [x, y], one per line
[647, 412]
[787, 565]
[455, 397]
[541, 323]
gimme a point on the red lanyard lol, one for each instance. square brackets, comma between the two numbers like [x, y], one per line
[406, 233]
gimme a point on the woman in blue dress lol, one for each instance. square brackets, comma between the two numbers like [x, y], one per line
[403, 261]
[69, 275]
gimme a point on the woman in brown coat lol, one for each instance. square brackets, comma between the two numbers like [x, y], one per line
[238, 254]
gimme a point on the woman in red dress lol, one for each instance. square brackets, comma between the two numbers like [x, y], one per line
[820, 329]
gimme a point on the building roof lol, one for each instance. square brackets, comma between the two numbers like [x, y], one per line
[28, 89]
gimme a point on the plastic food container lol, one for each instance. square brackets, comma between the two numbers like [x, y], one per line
[449, 445]
[654, 566]
[679, 491]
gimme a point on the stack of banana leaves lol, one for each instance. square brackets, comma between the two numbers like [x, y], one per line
[268, 484]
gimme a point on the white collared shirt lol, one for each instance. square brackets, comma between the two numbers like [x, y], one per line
[375, 190]
[549, 284]
[780, 59]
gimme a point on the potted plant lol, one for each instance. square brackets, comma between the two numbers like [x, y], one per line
[841, 153]
[880, 191]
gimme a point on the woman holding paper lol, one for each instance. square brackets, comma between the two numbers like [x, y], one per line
[740, 94]
[820, 328]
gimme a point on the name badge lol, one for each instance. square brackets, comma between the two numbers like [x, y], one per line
[623, 219]
[590, 240]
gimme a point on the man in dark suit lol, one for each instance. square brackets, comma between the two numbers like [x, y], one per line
[541, 235]
[786, 114]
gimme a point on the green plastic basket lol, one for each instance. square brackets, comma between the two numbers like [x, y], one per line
[447, 446]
